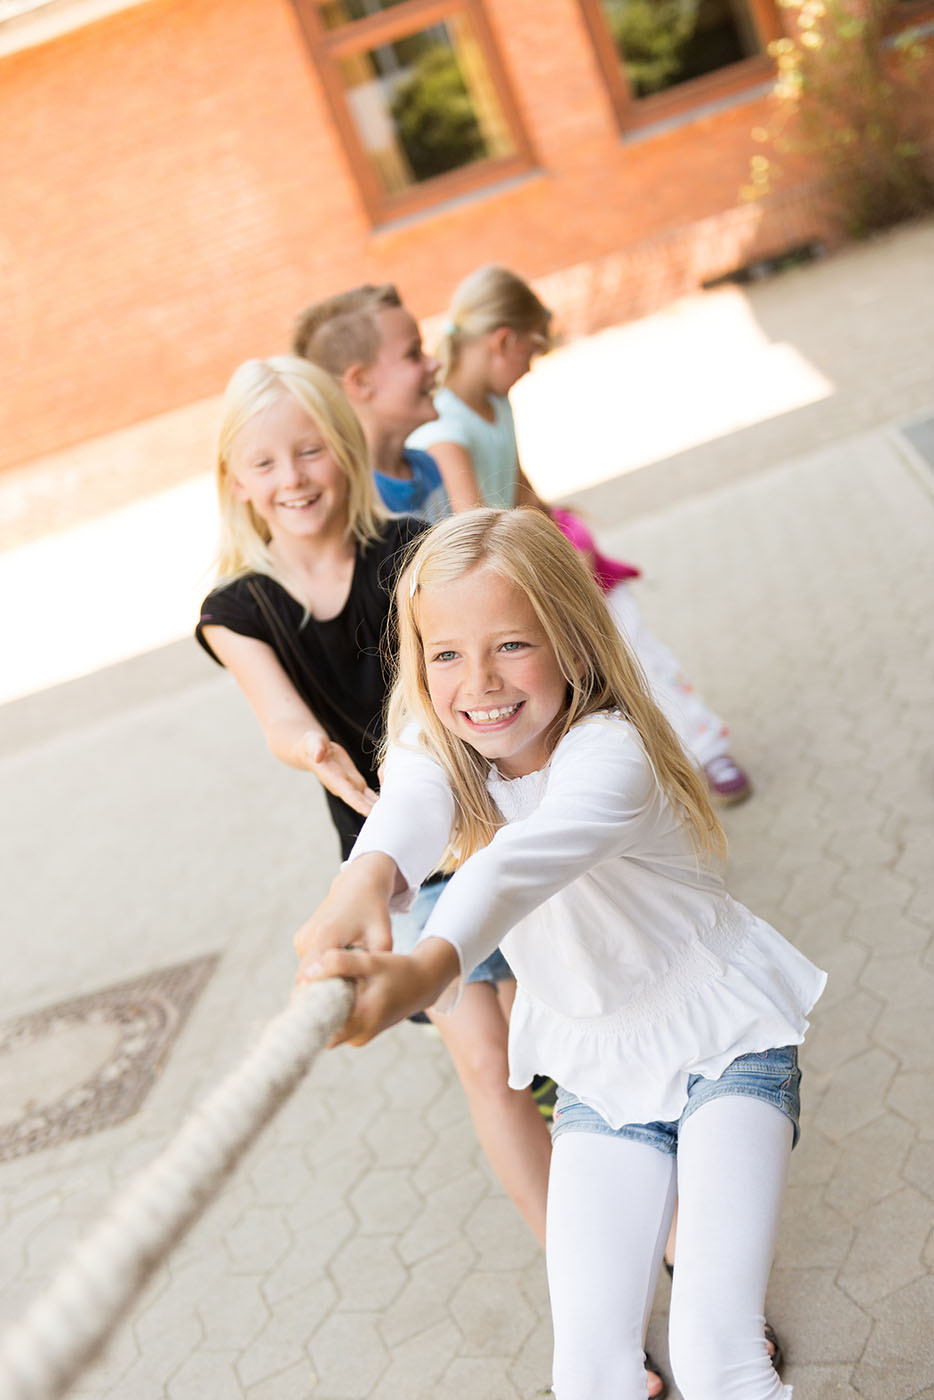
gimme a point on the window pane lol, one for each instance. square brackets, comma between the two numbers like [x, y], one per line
[425, 104]
[338, 12]
[664, 42]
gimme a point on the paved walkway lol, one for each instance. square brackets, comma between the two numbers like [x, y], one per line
[363, 1251]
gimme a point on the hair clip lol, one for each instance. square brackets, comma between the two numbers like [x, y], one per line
[449, 328]
[413, 582]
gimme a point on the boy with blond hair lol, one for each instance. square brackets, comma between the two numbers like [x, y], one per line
[370, 343]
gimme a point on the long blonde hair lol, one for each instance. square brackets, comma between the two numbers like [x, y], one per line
[528, 550]
[489, 298]
[256, 385]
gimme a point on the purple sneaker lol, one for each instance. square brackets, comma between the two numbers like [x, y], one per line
[727, 781]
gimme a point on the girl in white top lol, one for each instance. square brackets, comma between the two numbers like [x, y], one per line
[525, 742]
[496, 326]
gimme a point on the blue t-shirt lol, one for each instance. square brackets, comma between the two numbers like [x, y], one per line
[422, 495]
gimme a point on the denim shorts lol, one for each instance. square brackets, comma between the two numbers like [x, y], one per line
[407, 927]
[770, 1075]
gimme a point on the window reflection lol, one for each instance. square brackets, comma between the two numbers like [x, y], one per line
[424, 104]
[665, 42]
[338, 12]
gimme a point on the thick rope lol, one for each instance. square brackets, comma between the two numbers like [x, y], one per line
[42, 1355]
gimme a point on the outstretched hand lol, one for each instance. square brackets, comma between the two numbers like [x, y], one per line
[336, 770]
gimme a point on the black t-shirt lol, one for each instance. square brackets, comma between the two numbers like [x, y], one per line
[337, 666]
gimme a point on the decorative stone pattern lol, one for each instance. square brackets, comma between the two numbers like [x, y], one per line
[148, 1014]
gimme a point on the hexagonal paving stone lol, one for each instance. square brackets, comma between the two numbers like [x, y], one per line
[812, 1234]
[398, 1139]
[294, 1383]
[918, 1171]
[386, 1202]
[368, 1274]
[417, 1365]
[887, 1252]
[469, 1378]
[348, 1356]
[869, 1166]
[206, 1373]
[157, 1364]
[899, 1359]
[423, 1302]
[499, 1235]
[906, 1032]
[856, 1095]
[280, 1175]
[257, 1240]
[842, 1030]
[821, 1324]
[820, 1382]
[309, 1255]
[890, 932]
[232, 1311]
[439, 1222]
[330, 1184]
[283, 1341]
[450, 1156]
[492, 1314]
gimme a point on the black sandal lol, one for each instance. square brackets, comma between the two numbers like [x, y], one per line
[778, 1355]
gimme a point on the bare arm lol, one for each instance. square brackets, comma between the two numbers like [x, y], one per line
[349, 936]
[457, 472]
[460, 482]
[293, 732]
[354, 914]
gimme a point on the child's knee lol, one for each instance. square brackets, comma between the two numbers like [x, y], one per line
[481, 1060]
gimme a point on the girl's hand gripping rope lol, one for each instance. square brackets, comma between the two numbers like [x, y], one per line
[388, 986]
[350, 935]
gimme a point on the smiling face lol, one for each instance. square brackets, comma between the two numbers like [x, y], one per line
[279, 464]
[401, 380]
[493, 676]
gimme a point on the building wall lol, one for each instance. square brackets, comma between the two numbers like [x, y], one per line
[174, 191]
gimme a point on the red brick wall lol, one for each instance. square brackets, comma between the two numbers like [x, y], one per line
[174, 190]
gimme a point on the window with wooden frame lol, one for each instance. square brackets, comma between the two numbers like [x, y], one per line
[662, 57]
[419, 96]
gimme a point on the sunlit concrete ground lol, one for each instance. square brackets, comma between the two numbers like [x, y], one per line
[363, 1249]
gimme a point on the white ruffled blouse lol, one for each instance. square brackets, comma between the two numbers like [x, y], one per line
[635, 967]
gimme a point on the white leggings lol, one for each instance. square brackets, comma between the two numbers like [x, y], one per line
[610, 1203]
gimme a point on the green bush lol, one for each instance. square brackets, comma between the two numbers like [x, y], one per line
[434, 116]
[651, 36]
[860, 111]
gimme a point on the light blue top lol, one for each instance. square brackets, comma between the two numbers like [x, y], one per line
[422, 494]
[492, 446]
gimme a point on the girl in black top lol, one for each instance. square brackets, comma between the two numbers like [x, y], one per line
[307, 565]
